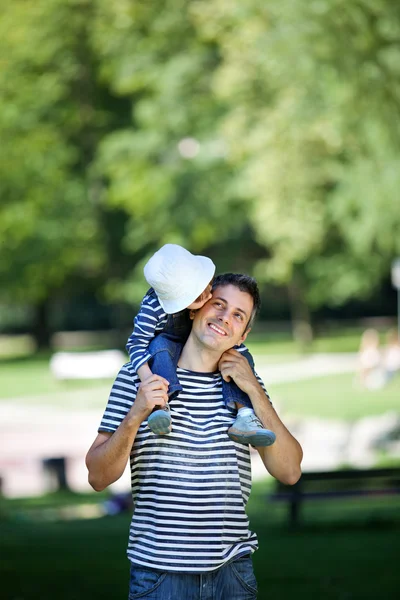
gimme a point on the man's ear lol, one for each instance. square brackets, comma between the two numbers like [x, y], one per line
[244, 336]
[192, 314]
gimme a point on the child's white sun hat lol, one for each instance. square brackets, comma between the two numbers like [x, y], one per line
[177, 276]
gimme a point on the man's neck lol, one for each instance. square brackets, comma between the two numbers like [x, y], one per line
[198, 358]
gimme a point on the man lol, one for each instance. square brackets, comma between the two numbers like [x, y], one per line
[189, 536]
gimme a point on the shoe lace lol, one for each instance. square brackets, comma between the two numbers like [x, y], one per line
[256, 421]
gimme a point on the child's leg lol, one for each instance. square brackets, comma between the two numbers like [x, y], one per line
[165, 355]
[232, 393]
[247, 427]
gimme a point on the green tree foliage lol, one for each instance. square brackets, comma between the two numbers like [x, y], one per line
[47, 225]
[110, 145]
[167, 169]
[125, 124]
[313, 90]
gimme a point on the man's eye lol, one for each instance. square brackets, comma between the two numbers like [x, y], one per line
[239, 316]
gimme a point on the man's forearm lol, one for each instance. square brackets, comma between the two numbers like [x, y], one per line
[283, 458]
[108, 456]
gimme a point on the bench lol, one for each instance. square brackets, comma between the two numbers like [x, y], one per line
[86, 365]
[329, 485]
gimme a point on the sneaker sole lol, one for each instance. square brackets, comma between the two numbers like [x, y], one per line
[160, 422]
[254, 438]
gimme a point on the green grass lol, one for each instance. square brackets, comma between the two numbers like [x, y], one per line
[31, 376]
[340, 340]
[334, 397]
[342, 550]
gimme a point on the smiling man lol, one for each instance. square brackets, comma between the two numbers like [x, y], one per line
[189, 535]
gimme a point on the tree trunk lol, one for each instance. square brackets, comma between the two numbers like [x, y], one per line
[301, 319]
[41, 329]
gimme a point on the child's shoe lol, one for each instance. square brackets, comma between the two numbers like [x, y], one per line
[248, 429]
[160, 421]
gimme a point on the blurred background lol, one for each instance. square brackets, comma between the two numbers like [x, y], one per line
[263, 134]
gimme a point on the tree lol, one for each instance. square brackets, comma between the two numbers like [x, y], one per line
[53, 113]
[313, 96]
[167, 168]
[128, 124]
[110, 146]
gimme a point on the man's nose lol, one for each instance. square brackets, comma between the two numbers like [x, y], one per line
[224, 316]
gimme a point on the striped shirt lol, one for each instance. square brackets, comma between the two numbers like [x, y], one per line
[149, 322]
[190, 488]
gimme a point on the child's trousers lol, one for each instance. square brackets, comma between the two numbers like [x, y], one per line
[166, 350]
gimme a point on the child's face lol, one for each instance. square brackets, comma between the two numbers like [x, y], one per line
[202, 299]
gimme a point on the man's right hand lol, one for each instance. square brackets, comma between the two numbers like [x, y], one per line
[152, 392]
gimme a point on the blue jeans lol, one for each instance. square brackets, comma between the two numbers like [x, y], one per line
[165, 355]
[233, 581]
[231, 392]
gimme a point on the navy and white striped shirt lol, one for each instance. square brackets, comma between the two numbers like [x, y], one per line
[190, 488]
[150, 321]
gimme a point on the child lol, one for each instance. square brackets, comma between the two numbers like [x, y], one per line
[182, 282]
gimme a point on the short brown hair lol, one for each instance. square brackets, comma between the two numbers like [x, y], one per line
[244, 283]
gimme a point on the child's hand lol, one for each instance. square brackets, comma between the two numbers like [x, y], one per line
[144, 372]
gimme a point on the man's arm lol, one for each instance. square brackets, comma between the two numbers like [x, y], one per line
[283, 458]
[109, 453]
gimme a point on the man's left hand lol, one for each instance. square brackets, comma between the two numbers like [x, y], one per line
[234, 365]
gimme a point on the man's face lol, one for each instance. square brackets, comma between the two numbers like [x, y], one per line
[220, 324]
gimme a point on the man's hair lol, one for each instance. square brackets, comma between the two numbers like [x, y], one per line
[244, 283]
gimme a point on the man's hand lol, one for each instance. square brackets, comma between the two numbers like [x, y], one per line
[152, 392]
[234, 365]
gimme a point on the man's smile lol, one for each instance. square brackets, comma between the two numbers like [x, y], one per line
[217, 329]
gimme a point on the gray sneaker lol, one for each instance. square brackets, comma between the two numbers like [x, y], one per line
[160, 420]
[248, 429]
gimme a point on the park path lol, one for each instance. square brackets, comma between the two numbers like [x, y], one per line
[32, 429]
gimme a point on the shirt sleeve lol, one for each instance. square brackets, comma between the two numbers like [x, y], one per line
[149, 321]
[121, 398]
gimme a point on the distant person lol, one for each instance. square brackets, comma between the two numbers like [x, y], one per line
[181, 282]
[391, 354]
[189, 536]
[370, 371]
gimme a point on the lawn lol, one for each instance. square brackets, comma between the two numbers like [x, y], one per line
[340, 551]
[334, 397]
[25, 377]
[341, 340]
[25, 374]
